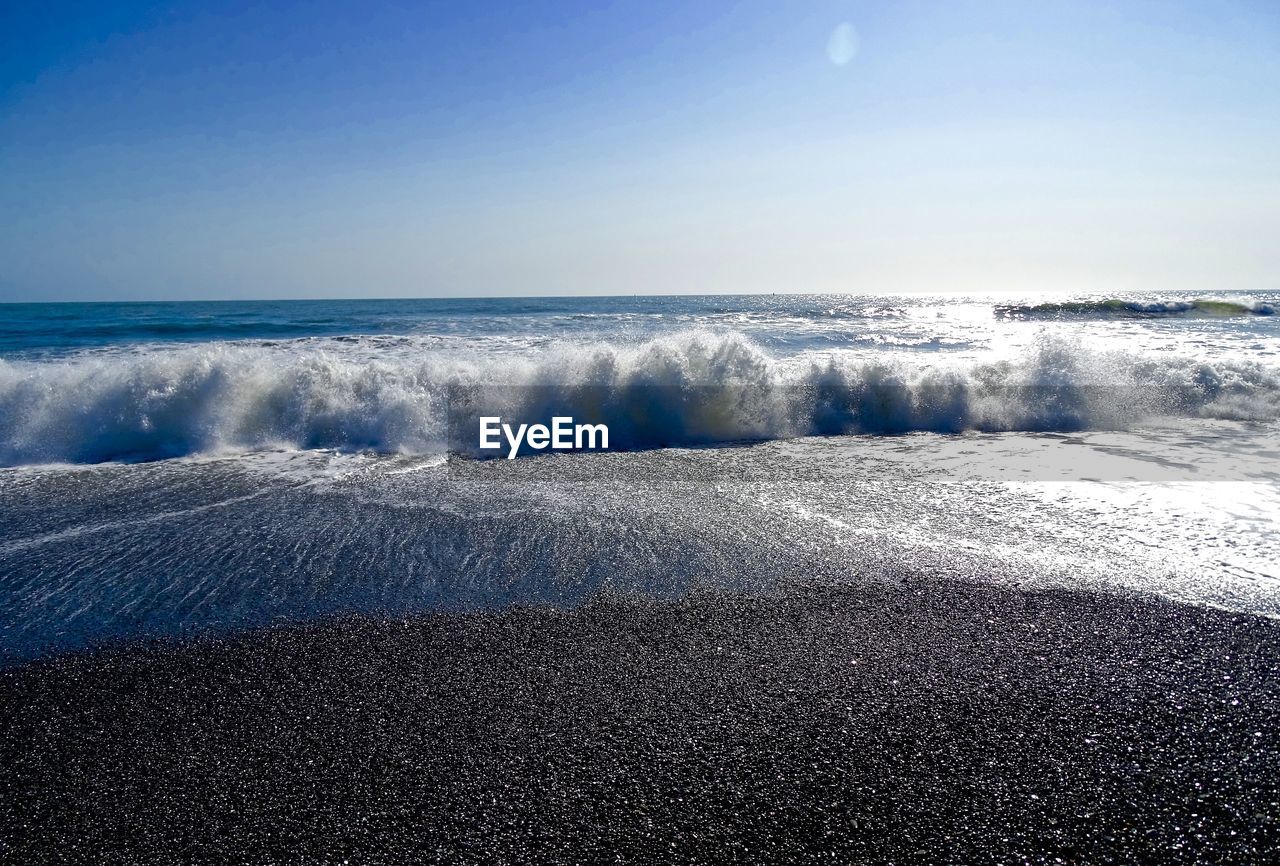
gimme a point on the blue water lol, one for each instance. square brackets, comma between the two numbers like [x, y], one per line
[33, 330]
[171, 467]
[87, 383]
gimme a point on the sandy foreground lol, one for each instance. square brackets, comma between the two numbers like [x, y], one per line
[911, 721]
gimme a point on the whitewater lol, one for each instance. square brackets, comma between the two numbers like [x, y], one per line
[169, 468]
[100, 386]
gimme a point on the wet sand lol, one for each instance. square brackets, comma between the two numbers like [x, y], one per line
[921, 721]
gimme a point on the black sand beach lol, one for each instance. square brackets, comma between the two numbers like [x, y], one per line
[920, 721]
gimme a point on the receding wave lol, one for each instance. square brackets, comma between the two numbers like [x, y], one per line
[690, 388]
[1121, 309]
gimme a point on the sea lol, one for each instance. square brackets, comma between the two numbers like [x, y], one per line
[175, 470]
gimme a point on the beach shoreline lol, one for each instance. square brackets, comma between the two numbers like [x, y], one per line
[920, 721]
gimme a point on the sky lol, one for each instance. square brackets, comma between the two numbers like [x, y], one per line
[275, 150]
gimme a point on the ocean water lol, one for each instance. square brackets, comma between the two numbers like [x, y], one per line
[172, 468]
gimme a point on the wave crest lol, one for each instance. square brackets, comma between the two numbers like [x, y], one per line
[692, 388]
[1118, 308]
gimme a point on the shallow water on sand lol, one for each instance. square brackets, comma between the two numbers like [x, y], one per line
[92, 553]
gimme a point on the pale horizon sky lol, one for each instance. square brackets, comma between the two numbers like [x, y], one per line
[276, 150]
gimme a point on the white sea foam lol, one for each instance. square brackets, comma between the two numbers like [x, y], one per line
[693, 387]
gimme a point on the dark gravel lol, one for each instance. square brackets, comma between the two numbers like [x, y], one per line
[920, 722]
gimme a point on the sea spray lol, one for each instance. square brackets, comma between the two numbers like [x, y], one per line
[688, 388]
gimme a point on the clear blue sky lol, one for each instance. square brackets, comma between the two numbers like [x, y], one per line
[206, 150]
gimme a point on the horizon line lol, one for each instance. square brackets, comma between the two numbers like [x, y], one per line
[1117, 293]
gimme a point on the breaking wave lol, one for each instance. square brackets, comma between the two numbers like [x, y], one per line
[691, 388]
[1122, 309]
